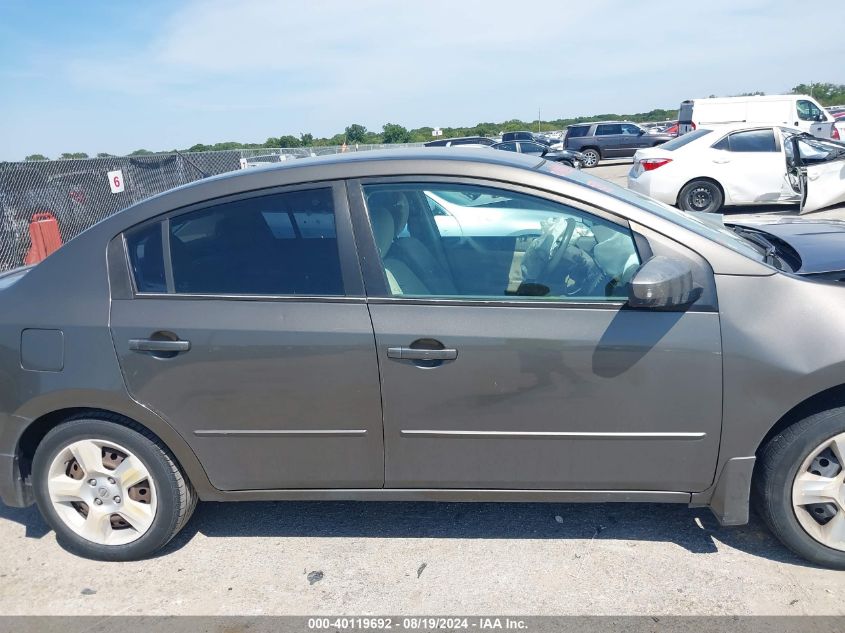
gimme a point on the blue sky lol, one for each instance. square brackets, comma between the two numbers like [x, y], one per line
[117, 76]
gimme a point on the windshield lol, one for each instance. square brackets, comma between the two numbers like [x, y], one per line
[680, 141]
[714, 232]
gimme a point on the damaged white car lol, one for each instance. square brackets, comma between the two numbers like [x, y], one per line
[709, 169]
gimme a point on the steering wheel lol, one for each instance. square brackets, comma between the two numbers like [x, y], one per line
[559, 246]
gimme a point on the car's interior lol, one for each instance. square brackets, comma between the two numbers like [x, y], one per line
[496, 245]
[273, 245]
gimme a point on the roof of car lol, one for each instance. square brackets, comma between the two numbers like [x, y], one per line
[734, 127]
[389, 159]
[600, 123]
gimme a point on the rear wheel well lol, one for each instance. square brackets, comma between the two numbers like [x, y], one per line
[705, 179]
[35, 432]
[822, 401]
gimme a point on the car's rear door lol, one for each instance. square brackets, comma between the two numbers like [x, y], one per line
[497, 374]
[610, 140]
[750, 166]
[248, 332]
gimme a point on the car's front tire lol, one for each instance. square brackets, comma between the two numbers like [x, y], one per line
[703, 196]
[110, 489]
[800, 487]
[590, 158]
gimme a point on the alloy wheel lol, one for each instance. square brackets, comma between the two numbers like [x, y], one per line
[590, 158]
[818, 493]
[102, 492]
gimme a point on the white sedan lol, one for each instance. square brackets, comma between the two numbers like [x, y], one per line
[707, 169]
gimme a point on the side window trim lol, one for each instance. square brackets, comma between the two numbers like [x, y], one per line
[375, 280]
[168, 261]
[350, 270]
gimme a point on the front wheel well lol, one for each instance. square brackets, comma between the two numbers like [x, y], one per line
[823, 401]
[705, 179]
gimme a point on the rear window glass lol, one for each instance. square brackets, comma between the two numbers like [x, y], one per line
[578, 130]
[608, 129]
[753, 141]
[284, 244]
[686, 139]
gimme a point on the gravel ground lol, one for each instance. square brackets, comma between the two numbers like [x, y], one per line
[301, 558]
[424, 558]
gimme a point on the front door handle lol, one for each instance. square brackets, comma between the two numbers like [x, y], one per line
[152, 345]
[410, 353]
[721, 161]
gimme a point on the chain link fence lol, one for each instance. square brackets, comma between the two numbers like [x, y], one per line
[81, 192]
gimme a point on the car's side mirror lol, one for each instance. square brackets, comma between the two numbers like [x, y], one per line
[662, 283]
[821, 117]
[545, 151]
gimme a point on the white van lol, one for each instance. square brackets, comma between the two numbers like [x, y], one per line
[796, 111]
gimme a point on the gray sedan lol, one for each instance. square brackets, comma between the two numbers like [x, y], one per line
[307, 331]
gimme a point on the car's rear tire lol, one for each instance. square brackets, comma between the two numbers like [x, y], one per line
[590, 158]
[799, 487]
[702, 196]
[110, 489]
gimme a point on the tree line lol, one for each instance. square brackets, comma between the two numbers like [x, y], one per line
[825, 93]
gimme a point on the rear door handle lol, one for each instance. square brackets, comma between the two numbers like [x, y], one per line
[410, 353]
[152, 345]
[721, 161]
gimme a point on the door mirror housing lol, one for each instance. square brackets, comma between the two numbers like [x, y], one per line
[662, 283]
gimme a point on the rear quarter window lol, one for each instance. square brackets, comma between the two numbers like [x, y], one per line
[578, 130]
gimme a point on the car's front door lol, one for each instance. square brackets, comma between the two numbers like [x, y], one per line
[821, 167]
[508, 357]
[249, 333]
[634, 138]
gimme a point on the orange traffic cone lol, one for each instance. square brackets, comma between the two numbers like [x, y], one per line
[44, 237]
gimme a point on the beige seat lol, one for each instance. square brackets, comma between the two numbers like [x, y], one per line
[409, 250]
[401, 279]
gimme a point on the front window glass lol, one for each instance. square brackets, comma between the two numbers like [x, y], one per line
[807, 110]
[478, 242]
[508, 146]
[532, 148]
[283, 244]
[722, 236]
[632, 130]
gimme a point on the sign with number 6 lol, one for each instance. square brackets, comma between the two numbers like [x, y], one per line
[116, 181]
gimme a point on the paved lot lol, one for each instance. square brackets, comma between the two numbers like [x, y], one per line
[415, 558]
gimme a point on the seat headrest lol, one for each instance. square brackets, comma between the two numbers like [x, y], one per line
[393, 201]
[384, 228]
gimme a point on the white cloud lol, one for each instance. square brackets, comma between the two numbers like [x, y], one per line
[245, 70]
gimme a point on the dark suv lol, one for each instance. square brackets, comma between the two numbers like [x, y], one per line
[609, 139]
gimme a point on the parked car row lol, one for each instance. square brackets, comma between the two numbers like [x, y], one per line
[519, 142]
